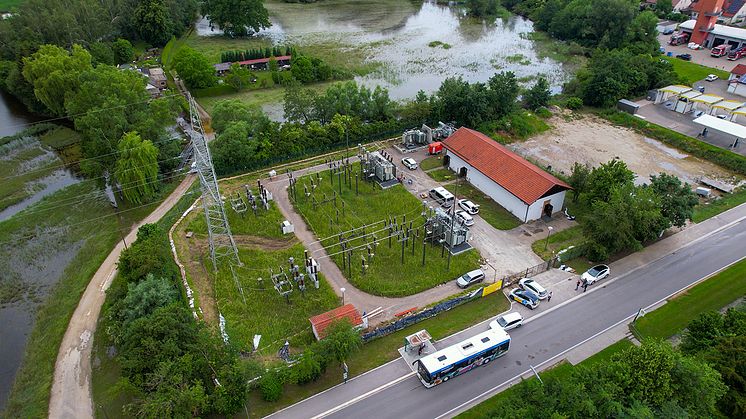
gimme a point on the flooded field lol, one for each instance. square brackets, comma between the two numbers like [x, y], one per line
[407, 46]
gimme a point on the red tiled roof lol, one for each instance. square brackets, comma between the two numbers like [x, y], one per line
[322, 321]
[739, 70]
[509, 170]
[264, 60]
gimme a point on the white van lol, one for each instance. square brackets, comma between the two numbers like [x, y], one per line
[442, 196]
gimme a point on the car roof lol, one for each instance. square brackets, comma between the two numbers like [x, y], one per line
[463, 213]
[475, 272]
[512, 316]
[408, 159]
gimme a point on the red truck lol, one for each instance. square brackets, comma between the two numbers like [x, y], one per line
[720, 50]
[679, 38]
[737, 54]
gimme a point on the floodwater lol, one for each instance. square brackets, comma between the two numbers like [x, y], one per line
[397, 37]
[13, 115]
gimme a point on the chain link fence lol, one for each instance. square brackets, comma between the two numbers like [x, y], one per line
[529, 272]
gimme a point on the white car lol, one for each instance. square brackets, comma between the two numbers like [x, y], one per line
[464, 218]
[533, 286]
[711, 77]
[596, 273]
[470, 278]
[409, 163]
[468, 206]
[509, 321]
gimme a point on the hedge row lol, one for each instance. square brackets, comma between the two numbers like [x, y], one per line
[720, 156]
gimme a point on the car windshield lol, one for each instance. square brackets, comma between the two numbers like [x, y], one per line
[466, 277]
[594, 270]
[501, 321]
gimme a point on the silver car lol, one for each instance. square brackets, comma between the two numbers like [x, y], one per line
[470, 278]
[533, 286]
[409, 162]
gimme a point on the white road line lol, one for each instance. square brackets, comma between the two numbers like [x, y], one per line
[363, 396]
[538, 367]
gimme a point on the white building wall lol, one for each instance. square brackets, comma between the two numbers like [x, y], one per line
[557, 201]
[501, 195]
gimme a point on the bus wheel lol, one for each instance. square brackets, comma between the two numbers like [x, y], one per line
[486, 360]
[445, 379]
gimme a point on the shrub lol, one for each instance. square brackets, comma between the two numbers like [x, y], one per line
[543, 113]
[271, 386]
[574, 103]
[308, 368]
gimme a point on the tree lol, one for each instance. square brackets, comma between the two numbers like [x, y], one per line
[504, 92]
[302, 69]
[578, 179]
[482, 8]
[150, 254]
[237, 17]
[144, 297]
[232, 150]
[238, 77]
[227, 112]
[606, 177]
[123, 50]
[538, 95]
[194, 68]
[728, 357]
[341, 341]
[55, 74]
[137, 168]
[663, 7]
[642, 33]
[101, 53]
[151, 22]
[299, 103]
[677, 199]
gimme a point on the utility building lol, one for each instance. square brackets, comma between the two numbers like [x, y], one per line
[525, 190]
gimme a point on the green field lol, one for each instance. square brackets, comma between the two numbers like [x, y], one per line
[264, 224]
[712, 294]
[7, 5]
[385, 349]
[489, 210]
[690, 73]
[484, 409]
[386, 274]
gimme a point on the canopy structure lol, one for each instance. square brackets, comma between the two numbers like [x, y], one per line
[717, 124]
[708, 99]
[728, 105]
[690, 94]
[741, 111]
[676, 89]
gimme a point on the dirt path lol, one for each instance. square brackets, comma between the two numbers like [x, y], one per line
[594, 141]
[71, 386]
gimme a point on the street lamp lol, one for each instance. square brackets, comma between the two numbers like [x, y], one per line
[549, 232]
[343, 295]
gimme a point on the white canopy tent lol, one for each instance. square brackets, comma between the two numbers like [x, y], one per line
[730, 128]
[664, 93]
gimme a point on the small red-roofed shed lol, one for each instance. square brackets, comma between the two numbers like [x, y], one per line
[320, 323]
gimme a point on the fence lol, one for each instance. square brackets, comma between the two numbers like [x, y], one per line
[422, 315]
[529, 272]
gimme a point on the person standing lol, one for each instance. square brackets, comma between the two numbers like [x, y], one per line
[577, 285]
[549, 297]
[585, 286]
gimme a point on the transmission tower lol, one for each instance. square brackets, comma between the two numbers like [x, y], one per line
[219, 232]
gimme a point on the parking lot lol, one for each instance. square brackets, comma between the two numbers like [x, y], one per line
[700, 56]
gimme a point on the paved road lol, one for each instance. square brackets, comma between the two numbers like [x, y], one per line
[71, 387]
[542, 340]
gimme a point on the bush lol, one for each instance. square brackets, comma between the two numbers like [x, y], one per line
[574, 103]
[308, 368]
[543, 113]
[271, 386]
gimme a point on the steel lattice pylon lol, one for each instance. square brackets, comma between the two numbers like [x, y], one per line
[219, 232]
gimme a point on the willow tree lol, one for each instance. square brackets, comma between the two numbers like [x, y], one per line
[136, 168]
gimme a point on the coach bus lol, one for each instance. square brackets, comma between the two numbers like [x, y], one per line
[447, 363]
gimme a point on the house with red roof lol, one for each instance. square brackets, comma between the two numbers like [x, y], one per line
[521, 187]
[320, 323]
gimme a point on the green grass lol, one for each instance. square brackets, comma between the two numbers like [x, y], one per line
[572, 236]
[690, 73]
[386, 273]
[7, 5]
[436, 44]
[213, 46]
[258, 97]
[518, 58]
[30, 394]
[568, 53]
[442, 175]
[380, 351]
[432, 162]
[563, 370]
[264, 224]
[710, 209]
[712, 294]
[266, 312]
[489, 210]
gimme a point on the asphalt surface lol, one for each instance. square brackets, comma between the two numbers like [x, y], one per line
[541, 341]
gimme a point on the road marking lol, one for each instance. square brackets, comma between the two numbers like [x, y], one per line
[538, 367]
[363, 396]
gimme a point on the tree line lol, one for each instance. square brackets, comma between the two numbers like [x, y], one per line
[254, 53]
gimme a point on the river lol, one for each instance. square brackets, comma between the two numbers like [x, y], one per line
[408, 46]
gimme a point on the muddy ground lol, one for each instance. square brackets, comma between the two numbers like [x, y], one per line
[592, 140]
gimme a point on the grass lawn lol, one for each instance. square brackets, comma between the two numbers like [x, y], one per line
[489, 210]
[386, 274]
[564, 369]
[264, 224]
[572, 236]
[442, 175]
[432, 162]
[690, 72]
[707, 210]
[7, 5]
[712, 294]
[258, 97]
[380, 351]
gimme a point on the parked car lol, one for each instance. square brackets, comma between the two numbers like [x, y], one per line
[509, 321]
[721, 116]
[409, 163]
[685, 57]
[596, 273]
[525, 297]
[468, 206]
[470, 278]
[535, 287]
[464, 218]
[711, 77]
[667, 31]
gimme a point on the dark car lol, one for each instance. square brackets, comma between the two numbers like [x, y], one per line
[667, 31]
[685, 57]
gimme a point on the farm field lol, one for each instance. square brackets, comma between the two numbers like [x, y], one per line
[386, 274]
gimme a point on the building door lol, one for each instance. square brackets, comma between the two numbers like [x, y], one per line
[446, 160]
[462, 172]
[548, 207]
